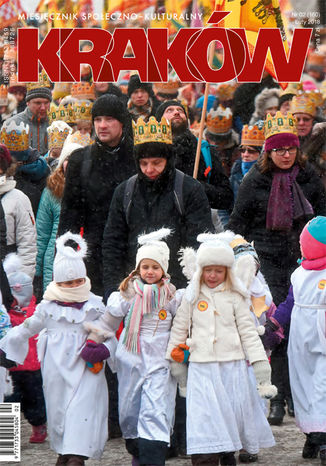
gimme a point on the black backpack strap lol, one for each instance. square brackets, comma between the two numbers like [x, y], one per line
[178, 191]
[127, 198]
[86, 167]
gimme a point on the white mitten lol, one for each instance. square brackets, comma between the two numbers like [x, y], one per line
[180, 372]
[262, 370]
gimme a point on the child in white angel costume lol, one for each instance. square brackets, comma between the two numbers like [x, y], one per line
[147, 390]
[214, 323]
[76, 397]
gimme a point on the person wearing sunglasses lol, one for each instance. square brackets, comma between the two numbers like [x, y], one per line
[275, 199]
[252, 140]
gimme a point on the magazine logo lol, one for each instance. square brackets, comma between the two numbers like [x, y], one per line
[60, 55]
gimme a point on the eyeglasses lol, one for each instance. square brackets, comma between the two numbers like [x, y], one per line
[247, 149]
[283, 151]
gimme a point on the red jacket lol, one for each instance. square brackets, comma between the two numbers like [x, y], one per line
[18, 316]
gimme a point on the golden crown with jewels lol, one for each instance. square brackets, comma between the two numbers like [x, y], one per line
[60, 90]
[3, 95]
[280, 123]
[253, 135]
[219, 121]
[58, 133]
[79, 138]
[302, 103]
[170, 87]
[225, 91]
[83, 110]
[15, 137]
[152, 131]
[83, 91]
[61, 113]
[43, 81]
[13, 81]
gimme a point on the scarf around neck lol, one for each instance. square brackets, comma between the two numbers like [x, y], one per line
[78, 294]
[144, 111]
[286, 201]
[147, 299]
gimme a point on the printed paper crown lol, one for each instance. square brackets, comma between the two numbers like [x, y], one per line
[171, 87]
[83, 110]
[15, 137]
[302, 103]
[253, 135]
[3, 95]
[61, 113]
[280, 124]
[43, 81]
[79, 138]
[83, 91]
[316, 97]
[58, 133]
[153, 131]
[13, 81]
[226, 91]
[60, 90]
[219, 121]
[292, 88]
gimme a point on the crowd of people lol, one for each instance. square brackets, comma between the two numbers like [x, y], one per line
[157, 290]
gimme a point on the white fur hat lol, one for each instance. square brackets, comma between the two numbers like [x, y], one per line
[21, 284]
[153, 248]
[68, 263]
[67, 150]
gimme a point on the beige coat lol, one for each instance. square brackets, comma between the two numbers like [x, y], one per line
[221, 328]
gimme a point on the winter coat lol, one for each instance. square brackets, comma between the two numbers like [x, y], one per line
[7, 297]
[217, 188]
[222, 328]
[152, 207]
[278, 251]
[20, 224]
[17, 317]
[47, 222]
[38, 136]
[85, 203]
[236, 177]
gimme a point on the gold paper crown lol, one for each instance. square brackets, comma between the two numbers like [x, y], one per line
[83, 110]
[171, 87]
[15, 137]
[153, 131]
[83, 91]
[315, 96]
[43, 81]
[292, 88]
[301, 103]
[219, 121]
[61, 113]
[252, 135]
[79, 138]
[225, 91]
[3, 95]
[280, 124]
[13, 81]
[58, 133]
[60, 90]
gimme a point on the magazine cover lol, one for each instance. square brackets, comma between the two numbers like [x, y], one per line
[162, 228]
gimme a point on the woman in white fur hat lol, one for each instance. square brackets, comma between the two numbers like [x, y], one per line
[73, 389]
[214, 329]
[146, 388]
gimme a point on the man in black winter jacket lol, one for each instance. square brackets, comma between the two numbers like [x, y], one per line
[93, 173]
[213, 179]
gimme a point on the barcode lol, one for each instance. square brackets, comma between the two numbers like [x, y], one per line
[9, 432]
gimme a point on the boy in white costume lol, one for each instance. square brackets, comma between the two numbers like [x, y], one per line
[147, 390]
[224, 412]
[73, 393]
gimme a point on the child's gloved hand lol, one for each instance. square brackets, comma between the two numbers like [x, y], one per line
[94, 352]
[180, 373]
[262, 370]
[270, 338]
[4, 362]
[180, 353]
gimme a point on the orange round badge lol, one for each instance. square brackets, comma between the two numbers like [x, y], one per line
[202, 306]
[162, 314]
[322, 284]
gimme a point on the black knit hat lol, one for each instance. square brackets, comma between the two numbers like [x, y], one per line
[135, 83]
[39, 93]
[110, 105]
[168, 103]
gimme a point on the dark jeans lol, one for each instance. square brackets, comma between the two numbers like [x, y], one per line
[28, 392]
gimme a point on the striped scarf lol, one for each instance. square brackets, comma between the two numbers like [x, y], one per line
[148, 298]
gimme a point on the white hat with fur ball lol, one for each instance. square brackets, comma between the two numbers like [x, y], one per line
[68, 263]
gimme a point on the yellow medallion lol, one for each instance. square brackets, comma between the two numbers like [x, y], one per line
[162, 314]
[322, 284]
[202, 306]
